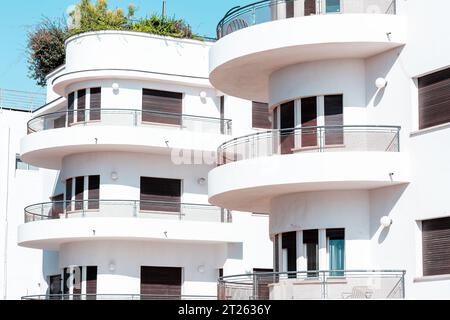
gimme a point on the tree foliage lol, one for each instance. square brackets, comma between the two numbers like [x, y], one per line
[46, 43]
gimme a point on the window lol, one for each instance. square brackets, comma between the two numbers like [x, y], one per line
[334, 118]
[91, 282]
[260, 116]
[434, 99]
[162, 107]
[289, 247]
[158, 194]
[20, 165]
[435, 246]
[276, 251]
[311, 247]
[78, 108]
[333, 6]
[85, 193]
[289, 8]
[336, 251]
[55, 284]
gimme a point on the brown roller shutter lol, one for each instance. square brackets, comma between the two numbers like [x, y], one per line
[289, 8]
[81, 105]
[287, 123]
[289, 242]
[434, 99]
[70, 107]
[95, 104]
[69, 194]
[334, 117]
[79, 193]
[159, 194]
[309, 119]
[260, 116]
[310, 7]
[94, 192]
[161, 282]
[91, 282]
[169, 105]
[436, 246]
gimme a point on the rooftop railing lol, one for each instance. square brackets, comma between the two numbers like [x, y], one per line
[259, 12]
[315, 285]
[116, 297]
[126, 209]
[130, 118]
[310, 139]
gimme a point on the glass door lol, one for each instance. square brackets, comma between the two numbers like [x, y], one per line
[332, 6]
[337, 255]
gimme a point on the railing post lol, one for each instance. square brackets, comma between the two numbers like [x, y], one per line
[255, 287]
[403, 285]
[135, 115]
[321, 138]
[324, 286]
[84, 208]
[135, 209]
[398, 140]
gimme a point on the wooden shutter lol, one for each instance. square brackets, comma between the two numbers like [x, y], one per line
[260, 116]
[69, 183]
[310, 7]
[309, 119]
[66, 274]
[289, 8]
[55, 285]
[287, 121]
[79, 193]
[162, 107]
[436, 246]
[434, 99]
[334, 117]
[57, 206]
[60, 122]
[95, 104]
[159, 281]
[94, 192]
[81, 105]
[276, 252]
[70, 107]
[91, 282]
[159, 194]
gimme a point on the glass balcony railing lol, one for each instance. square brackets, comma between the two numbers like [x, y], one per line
[129, 117]
[310, 139]
[259, 12]
[126, 209]
[315, 285]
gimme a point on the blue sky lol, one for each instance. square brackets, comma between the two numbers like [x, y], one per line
[16, 18]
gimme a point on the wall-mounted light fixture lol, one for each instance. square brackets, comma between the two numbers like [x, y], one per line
[386, 222]
[114, 176]
[112, 266]
[203, 95]
[201, 268]
[201, 181]
[381, 83]
[115, 87]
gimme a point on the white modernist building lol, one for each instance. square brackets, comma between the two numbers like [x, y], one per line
[355, 171]
[303, 155]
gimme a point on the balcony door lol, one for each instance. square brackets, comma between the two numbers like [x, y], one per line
[162, 107]
[161, 282]
[311, 247]
[160, 195]
[332, 6]
[287, 125]
[309, 122]
[334, 117]
[310, 7]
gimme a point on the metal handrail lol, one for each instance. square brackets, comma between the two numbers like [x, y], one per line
[224, 124]
[379, 284]
[239, 12]
[81, 208]
[267, 143]
[116, 297]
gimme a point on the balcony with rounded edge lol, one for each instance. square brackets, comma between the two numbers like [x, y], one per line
[260, 38]
[48, 225]
[55, 135]
[256, 168]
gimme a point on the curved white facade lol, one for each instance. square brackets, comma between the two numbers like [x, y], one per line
[241, 63]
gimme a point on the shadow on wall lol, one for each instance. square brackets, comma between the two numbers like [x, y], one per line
[50, 266]
[380, 69]
[382, 203]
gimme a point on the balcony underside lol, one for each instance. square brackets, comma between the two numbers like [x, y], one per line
[50, 234]
[46, 149]
[250, 185]
[241, 63]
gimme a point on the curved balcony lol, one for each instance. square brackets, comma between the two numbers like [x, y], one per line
[48, 225]
[264, 11]
[259, 39]
[315, 285]
[256, 168]
[53, 136]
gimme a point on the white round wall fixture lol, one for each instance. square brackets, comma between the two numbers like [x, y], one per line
[115, 86]
[386, 221]
[114, 176]
[112, 266]
[381, 83]
[201, 268]
[203, 95]
[201, 181]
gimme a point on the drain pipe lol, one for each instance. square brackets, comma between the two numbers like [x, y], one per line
[5, 253]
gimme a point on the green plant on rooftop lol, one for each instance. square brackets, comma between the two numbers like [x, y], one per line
[46, 42]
